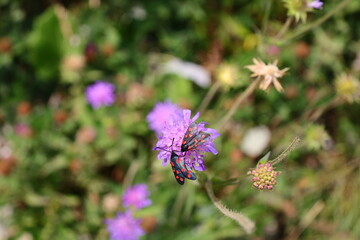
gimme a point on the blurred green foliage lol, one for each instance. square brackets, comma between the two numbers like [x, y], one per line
[60, 159]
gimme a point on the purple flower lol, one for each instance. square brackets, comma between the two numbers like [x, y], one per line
[160, 114]
[173, 133]
[136, 196]
[317, 4]
[100, 94]
[124, 227]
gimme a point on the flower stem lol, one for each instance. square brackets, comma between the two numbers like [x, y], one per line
[240, 99]
[286, 152]
[242, 220]
[284, 28]
[129, 177]
[316, 23]
[210, 94]
[266, 16]
[318, 112]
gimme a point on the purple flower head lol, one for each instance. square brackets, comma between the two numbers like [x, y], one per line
[100, 94]
[136, 196]
[124, 227]
[317, 4]
[160, 114]
[173, 133]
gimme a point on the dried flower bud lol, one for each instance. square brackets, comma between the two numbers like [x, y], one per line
[60, 116]
[302, 50]
[86, 135]
[111, 202]
[5, 45]
[148, 224]
[23, 109]
[268, 73]
[74, 62]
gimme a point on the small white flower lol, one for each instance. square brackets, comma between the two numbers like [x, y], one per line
[188, 70]
[255, 141]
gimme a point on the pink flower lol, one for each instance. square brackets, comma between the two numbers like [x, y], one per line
[160, 114]
[264, 176]
[124, 227]
[100, 94]
[173, 134]
[317, 4]
[136, 196]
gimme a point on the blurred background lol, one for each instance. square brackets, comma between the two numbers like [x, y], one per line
[64, 164]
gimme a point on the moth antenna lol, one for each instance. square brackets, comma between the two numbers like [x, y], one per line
[160, 148]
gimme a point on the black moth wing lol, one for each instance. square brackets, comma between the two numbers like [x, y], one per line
[176, 169]
[189, 135]
[197, 141]
[180, 170]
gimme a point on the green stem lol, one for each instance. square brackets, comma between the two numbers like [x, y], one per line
[242, 220]
[317, 114]
[316, 23]
[240, 99]
[129, 177]
[286, 152]
[284, 28]
[210, 94]
[266, 17]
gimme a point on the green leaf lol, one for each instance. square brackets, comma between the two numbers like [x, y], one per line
[264, 159]
[46, 45]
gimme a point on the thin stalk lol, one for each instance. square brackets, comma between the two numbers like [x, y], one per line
[284, 29]
[317, 114]
[241, 219]
[240, 99]
[129, 177]
[286, 152]
[316, 23]
[266, 17]
[209, 96]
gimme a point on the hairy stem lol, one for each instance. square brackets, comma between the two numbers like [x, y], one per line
[242, 220]
[286, 152]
